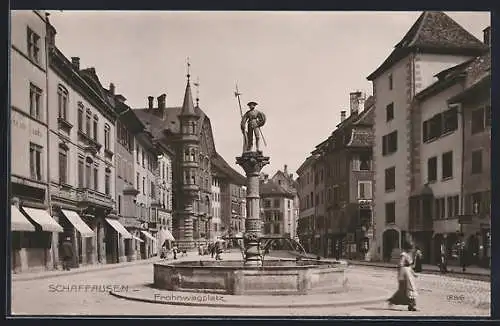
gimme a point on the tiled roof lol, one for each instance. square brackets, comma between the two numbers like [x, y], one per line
[361, 137]
[270, 188]
[478, 69]
[223, 167]
[434, 31]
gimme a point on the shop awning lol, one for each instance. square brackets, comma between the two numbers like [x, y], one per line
[138, 239]
[115, 224]
[43, 218]
[148, 235]
[18, 222]
[167, 235]
[78, 223]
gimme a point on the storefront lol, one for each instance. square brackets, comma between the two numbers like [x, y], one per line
[116, 235]
[80, 234]
[33, 250]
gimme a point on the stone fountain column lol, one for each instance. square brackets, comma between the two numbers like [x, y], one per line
[252, 163]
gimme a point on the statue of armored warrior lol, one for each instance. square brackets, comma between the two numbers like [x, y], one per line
[254, 119]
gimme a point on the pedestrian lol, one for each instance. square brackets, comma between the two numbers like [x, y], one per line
[218, 250]
[407, 291]
[463, 255]
[67, 253]
[174, 251]
[417, 265]
[443, 259]
[212, 249]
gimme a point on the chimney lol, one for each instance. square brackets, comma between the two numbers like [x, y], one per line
[285, 169]
[150, 101]
[354, 98]
[342, 115]
[76, 62]
[487, 36]
[112, 88]
[161, 101]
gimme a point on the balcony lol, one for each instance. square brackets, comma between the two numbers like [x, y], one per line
[64, 125]
[89, 196]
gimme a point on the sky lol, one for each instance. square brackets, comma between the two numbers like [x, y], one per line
[298, 66]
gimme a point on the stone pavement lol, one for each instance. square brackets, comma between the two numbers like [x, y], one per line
[471, 270]
[354, 296]
[87, 294]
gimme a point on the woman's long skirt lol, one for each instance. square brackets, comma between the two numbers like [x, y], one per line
[401, 296]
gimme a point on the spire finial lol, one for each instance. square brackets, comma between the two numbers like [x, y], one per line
[188, 69]
[197, 85]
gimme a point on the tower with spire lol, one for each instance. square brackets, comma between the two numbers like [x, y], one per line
[189, 145]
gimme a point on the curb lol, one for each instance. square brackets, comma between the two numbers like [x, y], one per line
[20, 278]
[345, 303]
[425, 271]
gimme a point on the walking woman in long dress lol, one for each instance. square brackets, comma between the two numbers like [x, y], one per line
[407, 290]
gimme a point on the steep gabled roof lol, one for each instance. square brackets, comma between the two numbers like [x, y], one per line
[433, 32]
[271, 188]
[187, 105]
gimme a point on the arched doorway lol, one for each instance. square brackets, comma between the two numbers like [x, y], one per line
[390, 242]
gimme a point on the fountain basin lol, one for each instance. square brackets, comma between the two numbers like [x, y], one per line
[276, 277]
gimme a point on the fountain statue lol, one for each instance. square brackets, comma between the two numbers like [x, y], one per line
[289, 276]
[252, 163]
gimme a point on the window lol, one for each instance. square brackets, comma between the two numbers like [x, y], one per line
[389, 112]
[143, 185]
[96, 124]
[143, 158]
[453, 206]
[119, 204]
[137, 153]
[390, 213]
[439, 208]
[62, 102]
[478, 121]
[450, 120]
[138, 177]
[80, 117]
[153, 190]
[36, 161]
[88, 126]
[35, 102]
[432, 169]
[477, 162]
[80, 172]
[88, 175]
[33, 45]
[63, 166]
[267, 203]
[476, 203]
[96, 179]
[390, 143]
[447, 165]
[364, 190]
[107, 184]
[390, 82]
[107, 137]
[390, 179]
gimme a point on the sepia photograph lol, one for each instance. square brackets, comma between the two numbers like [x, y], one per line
[250, 163]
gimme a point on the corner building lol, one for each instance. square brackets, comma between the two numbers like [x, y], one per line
[434, 43]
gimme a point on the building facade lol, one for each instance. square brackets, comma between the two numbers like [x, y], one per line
[34, 231]
[277, 209]
[409, 69]
[475, 103]
[306, 223]
[216, 208]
